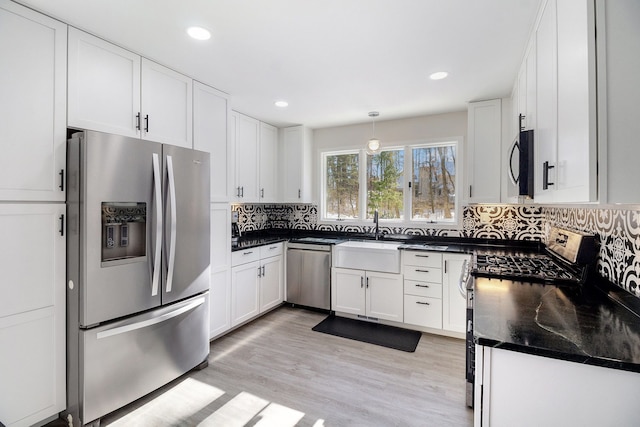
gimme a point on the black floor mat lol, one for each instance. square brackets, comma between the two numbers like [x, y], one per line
[372, 333]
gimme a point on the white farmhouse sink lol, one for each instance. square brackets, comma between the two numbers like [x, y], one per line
[368, 255]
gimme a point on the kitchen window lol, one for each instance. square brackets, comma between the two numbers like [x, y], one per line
[408, 185]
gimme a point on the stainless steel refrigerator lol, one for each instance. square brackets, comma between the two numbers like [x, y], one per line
[138, 269]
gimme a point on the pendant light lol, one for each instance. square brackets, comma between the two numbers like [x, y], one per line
[373, 146]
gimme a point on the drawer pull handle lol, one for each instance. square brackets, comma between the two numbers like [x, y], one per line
[422, 286]
[422, 303]
[247, 253]
[422, 256]
[422, 271]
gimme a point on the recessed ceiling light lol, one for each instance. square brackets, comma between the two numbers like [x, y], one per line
[199, 33]
[281, 104]
[439, 75]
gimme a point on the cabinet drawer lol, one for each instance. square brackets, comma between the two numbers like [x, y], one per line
[423, 311]
[244, 256]
[273, 249]
[422, 258]
[423, 289]
[423, 274]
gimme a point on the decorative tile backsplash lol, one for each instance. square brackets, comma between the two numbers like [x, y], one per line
[618, 231]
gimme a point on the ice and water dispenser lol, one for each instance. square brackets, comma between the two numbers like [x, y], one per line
[124, 228]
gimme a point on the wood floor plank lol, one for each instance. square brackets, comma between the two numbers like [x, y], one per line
[333, 381]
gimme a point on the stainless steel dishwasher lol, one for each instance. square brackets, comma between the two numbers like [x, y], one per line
[309, 272]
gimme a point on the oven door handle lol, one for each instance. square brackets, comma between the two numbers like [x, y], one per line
[464, 276]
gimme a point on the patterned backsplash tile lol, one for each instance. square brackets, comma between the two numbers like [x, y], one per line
[618, 230]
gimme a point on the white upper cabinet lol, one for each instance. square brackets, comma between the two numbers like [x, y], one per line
[104, 86]
[116, 91]
[556, 94]
[618, 94]
[32, 105]
[483, 150]
[246, 133]
[166, 105]
[210, 133]
[296, 168]
[268, 163]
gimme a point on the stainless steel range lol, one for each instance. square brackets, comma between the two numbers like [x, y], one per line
[566, 261]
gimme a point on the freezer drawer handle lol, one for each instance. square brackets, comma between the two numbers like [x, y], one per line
[172, 239]
[150, 322]
[157, 186]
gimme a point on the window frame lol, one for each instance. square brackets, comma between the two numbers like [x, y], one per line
[408, 221]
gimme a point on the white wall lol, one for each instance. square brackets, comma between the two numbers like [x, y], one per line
[389, 132]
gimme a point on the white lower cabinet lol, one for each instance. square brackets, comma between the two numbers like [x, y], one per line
[257, 281]
[367, 293]
[432, 295]
[519, 389]
[454, 297]
[220, 290]
[32, 313]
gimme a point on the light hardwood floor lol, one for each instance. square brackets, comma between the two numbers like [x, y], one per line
[276, 371]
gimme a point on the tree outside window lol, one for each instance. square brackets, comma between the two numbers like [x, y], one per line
[433, 182]
[385, 172]
[342, 186]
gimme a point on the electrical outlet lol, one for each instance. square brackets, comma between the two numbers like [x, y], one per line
[485, 218]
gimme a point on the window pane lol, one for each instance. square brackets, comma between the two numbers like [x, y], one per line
[385, 183]
[433, 183]
[342, 186]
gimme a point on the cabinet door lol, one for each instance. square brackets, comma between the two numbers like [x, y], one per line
[546, 137]
[246, 163]
[271, 283]
[104, 86]
[577, 144]
[210, 134]
[454, 301]
[32, 313]
[167, 103]
[347, 291]
[484, 133]
[268, 163]
[296, 171]
[32, 104]
[384, 296]
[245, 299]
[423, 311]
[220, 300]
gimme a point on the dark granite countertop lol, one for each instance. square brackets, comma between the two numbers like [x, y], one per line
[581, 324]
[597, 323]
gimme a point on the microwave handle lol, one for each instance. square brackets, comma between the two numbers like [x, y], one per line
[512, 176]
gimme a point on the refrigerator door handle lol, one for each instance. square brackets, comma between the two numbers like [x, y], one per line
[150, 322]
[172, 238]
[157, 186]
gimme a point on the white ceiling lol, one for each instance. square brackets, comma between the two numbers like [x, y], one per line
[333, 60]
